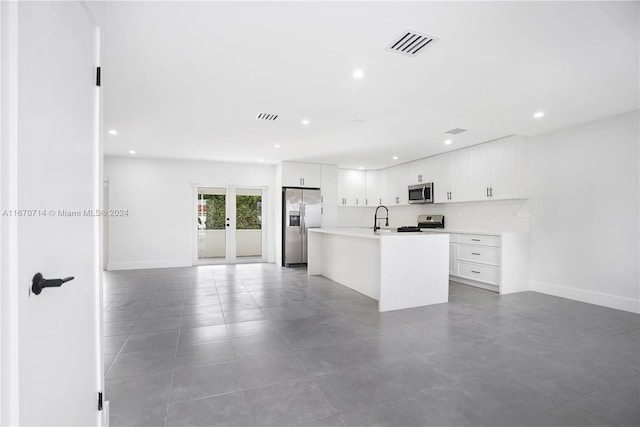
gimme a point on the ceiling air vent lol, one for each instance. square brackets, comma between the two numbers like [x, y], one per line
[412, 43]
[266, 116]
[456, 131]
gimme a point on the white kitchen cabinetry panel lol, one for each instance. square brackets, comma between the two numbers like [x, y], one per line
[499, 169]
[397, 190]
[301, 174]
[479, 239]
[374, 188]
[481, 254]
[329, 216]
[329, 185]
[452, 177]
[352, 187]
[499, 262]
[482, 273]
[442, 178]
[453, 259]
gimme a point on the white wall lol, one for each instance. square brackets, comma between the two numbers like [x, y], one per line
[584, 212]
[494, 215]
[158, 194]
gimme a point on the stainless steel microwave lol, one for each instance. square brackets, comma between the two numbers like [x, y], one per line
[421, 193]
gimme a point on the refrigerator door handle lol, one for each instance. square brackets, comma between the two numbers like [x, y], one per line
[302, 213]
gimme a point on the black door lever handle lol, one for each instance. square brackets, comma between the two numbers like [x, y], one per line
[39, 283]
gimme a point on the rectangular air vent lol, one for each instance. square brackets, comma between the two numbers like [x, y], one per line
[456, 131]
[266, 116]
[412, 43]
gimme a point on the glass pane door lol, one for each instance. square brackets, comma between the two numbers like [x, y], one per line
[212, 205]
[248, 223]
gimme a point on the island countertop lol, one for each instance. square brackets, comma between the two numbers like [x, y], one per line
[369, 234]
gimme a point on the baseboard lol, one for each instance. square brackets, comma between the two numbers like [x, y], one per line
[135, 265]
[597, 298]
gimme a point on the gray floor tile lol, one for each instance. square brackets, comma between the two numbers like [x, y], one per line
[197, 382]
[142, 363]
[288, 404]
[198, 320]
[325, 359]
[258, 344]
[395, 412]
[151, 341]
[143, 326]
[249, 328]
[203, 334]
[524, 359]
[226, 410]
[204, 353]
[268, 369]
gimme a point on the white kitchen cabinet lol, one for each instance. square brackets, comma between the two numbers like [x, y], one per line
[329, 216]
[329, 185]
[498, 169]
[420, 171]
[396, 191]
[351, 187]
[301, 174]
[499, 262]
[451, 181]
[374, 188]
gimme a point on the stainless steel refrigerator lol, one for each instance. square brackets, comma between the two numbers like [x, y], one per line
[300, 211]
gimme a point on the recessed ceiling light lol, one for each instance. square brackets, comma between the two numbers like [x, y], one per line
[358, 74]
[448, 141]
[360, 168]
[132, 151]
[261, 160]
[113, 132]
[538, 114]
[305, 122]
[277, 145]
[395, 157]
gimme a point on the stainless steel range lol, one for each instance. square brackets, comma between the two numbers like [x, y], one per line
[431, 221]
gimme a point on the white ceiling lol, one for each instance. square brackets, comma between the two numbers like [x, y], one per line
[187, 79]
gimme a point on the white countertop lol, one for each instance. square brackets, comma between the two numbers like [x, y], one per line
[368, 232]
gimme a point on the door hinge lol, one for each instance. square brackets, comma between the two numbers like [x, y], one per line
[100, 401]
[98, 76]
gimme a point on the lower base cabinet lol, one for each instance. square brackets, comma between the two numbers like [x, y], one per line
[498, 262]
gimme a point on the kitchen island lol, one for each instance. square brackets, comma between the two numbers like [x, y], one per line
[399, 270]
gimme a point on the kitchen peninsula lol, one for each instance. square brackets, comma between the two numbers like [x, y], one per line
[399, 270]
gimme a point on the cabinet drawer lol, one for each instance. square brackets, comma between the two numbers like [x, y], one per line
[479, 239]
[483, 254]
[481, 273]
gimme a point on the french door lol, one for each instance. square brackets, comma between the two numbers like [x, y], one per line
[229, 225]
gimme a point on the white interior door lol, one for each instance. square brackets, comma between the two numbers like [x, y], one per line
[51, 191]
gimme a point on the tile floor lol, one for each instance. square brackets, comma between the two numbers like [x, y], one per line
[257, 344]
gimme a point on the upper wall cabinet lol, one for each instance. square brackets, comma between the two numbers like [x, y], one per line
[351, 187]
[373, 188]
[329, 187]
[451, 182]
[498, 169]
[420, 171]
[301, 174]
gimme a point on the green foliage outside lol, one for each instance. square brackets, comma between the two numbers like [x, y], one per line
[248, 212]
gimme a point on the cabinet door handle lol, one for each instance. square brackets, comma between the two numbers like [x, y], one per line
[366, 201]
[487, 191]
[491, 191]
[474, 253]
[321, 199]
[475, 240]
[356, 200]
[473, 271]
[321, 210]
[380, 201]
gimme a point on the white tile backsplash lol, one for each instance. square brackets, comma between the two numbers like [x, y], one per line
[494, 215]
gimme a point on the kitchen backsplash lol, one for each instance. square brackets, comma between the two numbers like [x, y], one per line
[495, 215]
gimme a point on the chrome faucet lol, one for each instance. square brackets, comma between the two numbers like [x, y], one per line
[376, 227]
